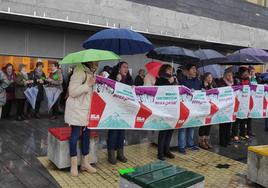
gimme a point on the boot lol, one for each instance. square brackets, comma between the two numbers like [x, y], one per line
[120, 156]
[74, 170]
[202, 143]
[85, 166]
[111, 156]
[207, 143]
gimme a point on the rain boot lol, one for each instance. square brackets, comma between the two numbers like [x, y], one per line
[207, 142]
[85, 166]
[111, 156]
[120, 156]
[74, 169]
[202, 142]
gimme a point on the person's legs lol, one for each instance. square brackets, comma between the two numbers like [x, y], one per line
[242, 127]
[222, 134]
[111, 145]
[73, 149]
[20, 108]
[167, 140]
[190, 139]
[266, 124]
[54, 111]
[202, 134]
[6, 109]
[207, 136]
[85, 165]
[1, 111]
[37, 108]
[73, 140]
[161, 144]
[120, 146]
[235, 129]
[249, 127]
[181, 140]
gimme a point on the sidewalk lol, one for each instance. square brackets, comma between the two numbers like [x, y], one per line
[22, 143]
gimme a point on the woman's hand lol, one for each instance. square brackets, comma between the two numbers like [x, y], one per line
[171, 80]
[118, 77]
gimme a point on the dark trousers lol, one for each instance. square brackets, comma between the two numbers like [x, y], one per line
[225, 133]
[20, 106]
[241, 125]
[84, 140]
[249, 128]
[7, 108]
[55, 108]
[115, 139]
[204, 130]
[164, 138]
[37, 107]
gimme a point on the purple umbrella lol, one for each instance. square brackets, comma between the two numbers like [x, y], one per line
[259, 53]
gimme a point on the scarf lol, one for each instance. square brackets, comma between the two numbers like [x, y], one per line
[38, 73]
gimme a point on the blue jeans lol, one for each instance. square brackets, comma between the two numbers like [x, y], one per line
[115, 139]
[84, 140]
[266, 123]
[186, 136]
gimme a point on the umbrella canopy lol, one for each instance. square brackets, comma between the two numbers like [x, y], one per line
[242, 59]
[208, 56]
[120, 41]
[52, 94]
[259, 53]
[31, 95]
[153, 68]
[174, 54]
[90, 55]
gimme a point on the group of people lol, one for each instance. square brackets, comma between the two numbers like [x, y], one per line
[13, 86]
[80, 90]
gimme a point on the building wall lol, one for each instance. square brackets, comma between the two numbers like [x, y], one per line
[169, 20]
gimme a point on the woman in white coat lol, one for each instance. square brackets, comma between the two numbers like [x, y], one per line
[76, 113]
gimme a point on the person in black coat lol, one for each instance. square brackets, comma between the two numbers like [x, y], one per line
[204, 131]
[139, 80]
[115, 141]
[225, 128]
[164, 137]
[38, 77]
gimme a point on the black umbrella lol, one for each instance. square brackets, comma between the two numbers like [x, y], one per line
[241, 59]
[208, 56]
[173, 54]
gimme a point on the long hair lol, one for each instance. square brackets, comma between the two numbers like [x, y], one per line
[163, 69]
[213, 84]
[6, 66]
[115, 72]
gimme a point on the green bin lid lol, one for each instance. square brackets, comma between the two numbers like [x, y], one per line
[145, 169]
[146, 179]
[182, 180]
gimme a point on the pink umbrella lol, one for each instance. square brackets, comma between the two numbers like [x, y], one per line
[153, 68]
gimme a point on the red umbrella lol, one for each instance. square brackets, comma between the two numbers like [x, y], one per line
[153, 68]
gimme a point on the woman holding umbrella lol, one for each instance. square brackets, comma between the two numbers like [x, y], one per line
[76, 113]
[116, 138]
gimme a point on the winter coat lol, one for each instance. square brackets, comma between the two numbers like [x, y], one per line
[33, 76]
[79, 100]
[57, 80]
[20, 86]
[11, 88]
[3, 85]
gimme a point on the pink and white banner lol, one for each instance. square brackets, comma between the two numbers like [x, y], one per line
[119, 106]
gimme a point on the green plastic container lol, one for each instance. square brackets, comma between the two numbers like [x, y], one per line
[149, 178]
[182, 180]
[146, 169]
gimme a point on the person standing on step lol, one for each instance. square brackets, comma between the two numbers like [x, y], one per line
[165, 77]
[204, 131]
[3, 85]
[115, 141]
[55, 79]
[38, 77]
[78, 104]
[186, 135]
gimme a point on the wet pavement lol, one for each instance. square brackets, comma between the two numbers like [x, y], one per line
[22, 142]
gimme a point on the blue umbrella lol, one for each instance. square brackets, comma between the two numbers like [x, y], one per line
[119, 41]
[242, 59]
[173, 54]
[208, 56]
[259, 53]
